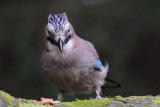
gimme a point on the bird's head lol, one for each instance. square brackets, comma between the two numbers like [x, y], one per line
[58, 30]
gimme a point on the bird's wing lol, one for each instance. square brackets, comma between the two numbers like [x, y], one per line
[92, 49]
[99, 63]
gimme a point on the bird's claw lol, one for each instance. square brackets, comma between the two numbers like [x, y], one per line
[98, 97]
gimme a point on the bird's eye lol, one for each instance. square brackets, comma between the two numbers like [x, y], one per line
[49, 32]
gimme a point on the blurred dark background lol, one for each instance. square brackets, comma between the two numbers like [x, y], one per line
[125, 32]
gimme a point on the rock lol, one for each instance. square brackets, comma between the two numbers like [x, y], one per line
[7, 100]
[3, 103]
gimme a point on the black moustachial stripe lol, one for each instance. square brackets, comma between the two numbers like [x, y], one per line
[52, 41]
[67, 39]
[55, 43]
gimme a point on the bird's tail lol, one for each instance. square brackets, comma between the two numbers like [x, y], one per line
[111, 84]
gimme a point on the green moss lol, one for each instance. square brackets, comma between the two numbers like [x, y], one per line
[156, 101]
[88, 103]
[132, 97]
[7, 98]
[29, 103]
[118, 100]
[18, 102]
[130, 105]
[120, 104]
[145, 104]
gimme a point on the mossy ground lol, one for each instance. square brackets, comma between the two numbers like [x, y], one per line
[7, 100]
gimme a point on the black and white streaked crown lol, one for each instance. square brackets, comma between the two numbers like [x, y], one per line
[58, 22]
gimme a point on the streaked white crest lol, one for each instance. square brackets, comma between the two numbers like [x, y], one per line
[58, 22]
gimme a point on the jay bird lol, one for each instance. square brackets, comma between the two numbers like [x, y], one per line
[70, 62]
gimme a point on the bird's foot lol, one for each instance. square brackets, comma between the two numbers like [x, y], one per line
[97, 91]
[60, 96]
[98, 97]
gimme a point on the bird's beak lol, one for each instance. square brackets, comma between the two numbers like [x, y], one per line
[60, 45]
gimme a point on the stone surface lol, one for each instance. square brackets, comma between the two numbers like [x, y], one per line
[3, 103]
[7, 100]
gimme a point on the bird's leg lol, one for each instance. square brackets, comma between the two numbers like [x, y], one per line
[60, 96]
[97, 95]
[97, 91]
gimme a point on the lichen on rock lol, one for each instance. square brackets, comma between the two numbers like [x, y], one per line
[6, 100]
